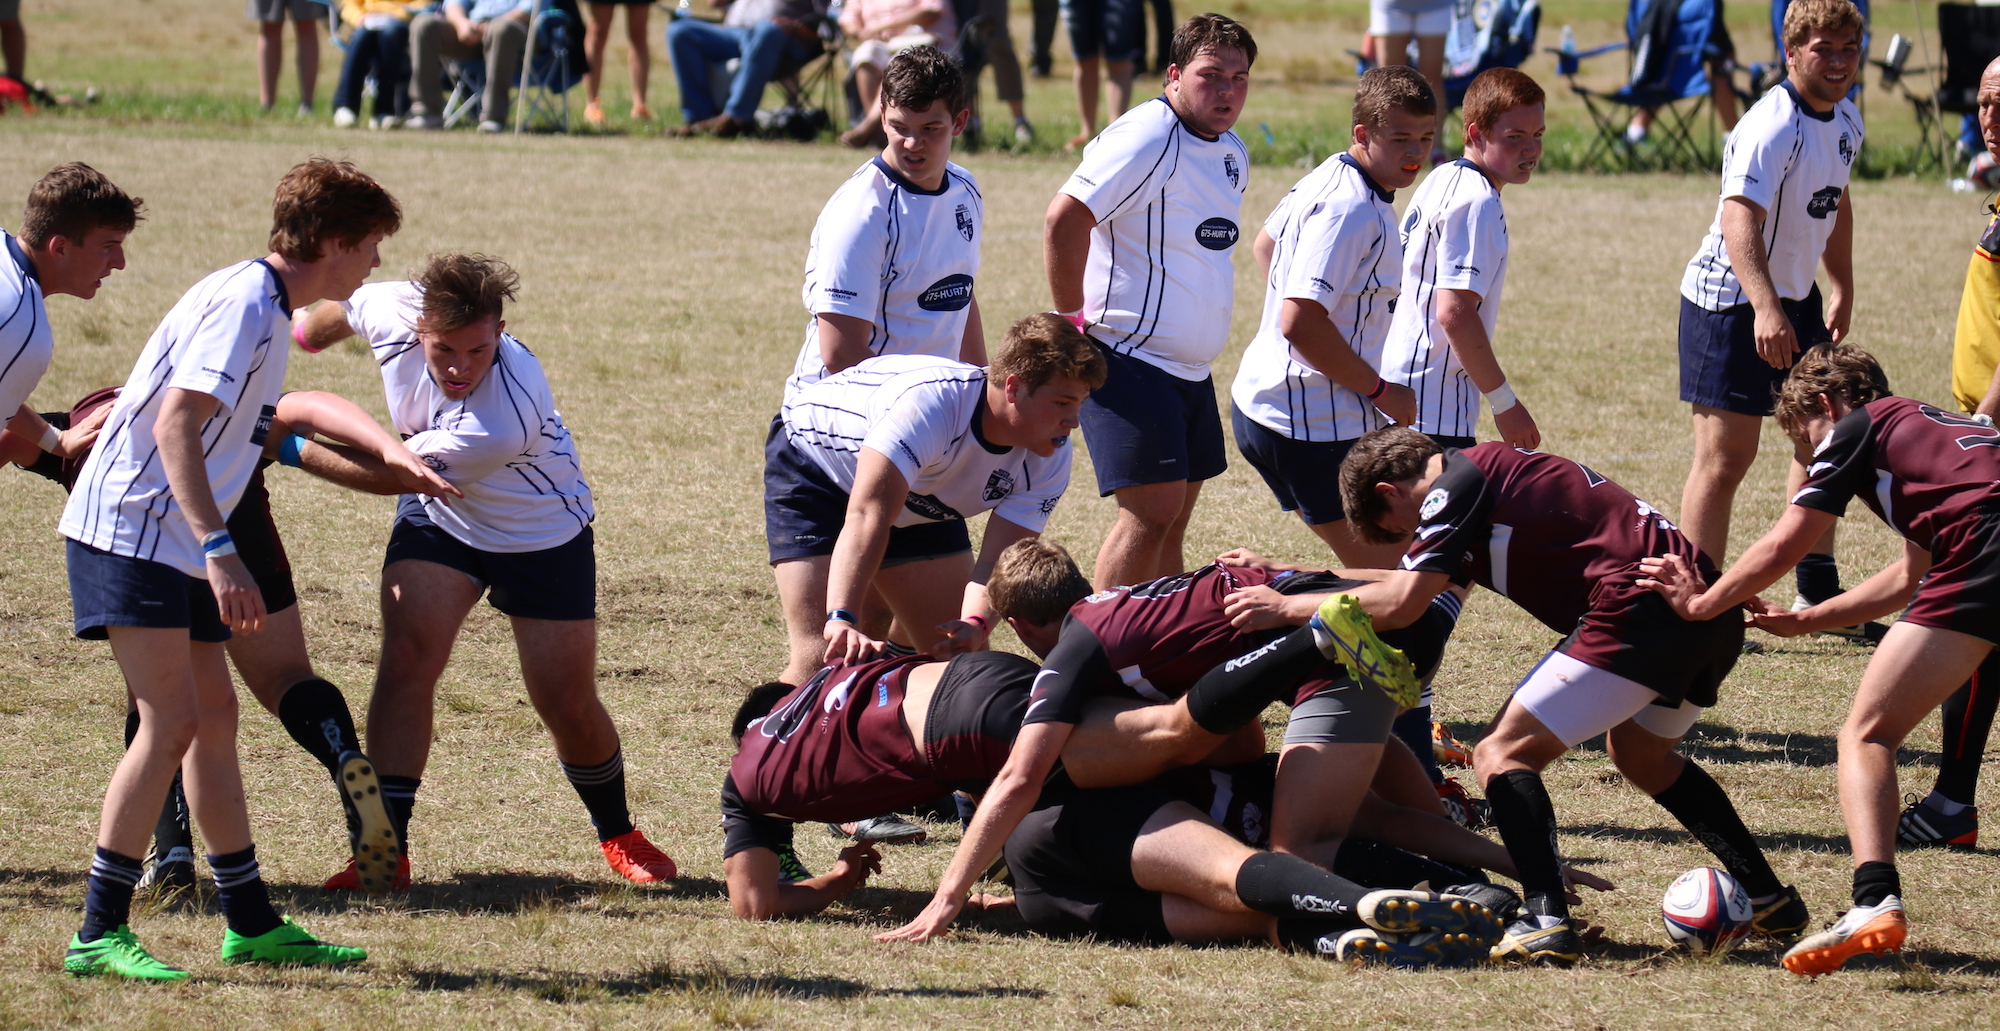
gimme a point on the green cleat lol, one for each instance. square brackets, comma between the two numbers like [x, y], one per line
[1344, 633]
[118, 953]
[287, 945]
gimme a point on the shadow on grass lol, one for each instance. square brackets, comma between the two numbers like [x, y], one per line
[1677, 836]
[503, 892]
[1723, 745]
[569, 986]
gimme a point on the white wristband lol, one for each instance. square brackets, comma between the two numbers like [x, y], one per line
[51, 439]
[1502, 398]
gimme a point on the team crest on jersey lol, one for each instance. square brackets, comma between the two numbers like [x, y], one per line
[1410, 222]
[1824, 202]
[952, 293]
[1216, 234]
[1434, 503]
[1229, 169]
[1049, 504]
[964, 214]
[999, 485]
[1846, 149]
[1106, 595]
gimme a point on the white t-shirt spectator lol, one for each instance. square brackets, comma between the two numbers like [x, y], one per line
[227, 338]
[902, 258]
[1159, 281]
[1454, 238]
[921, 413]
[26, 345]
[504, 444]
[1794, 163]
[1337, 245]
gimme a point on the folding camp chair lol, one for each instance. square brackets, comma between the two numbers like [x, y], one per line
[552, 66]
[1487, 34]
[1668, 44]
[1970, 38]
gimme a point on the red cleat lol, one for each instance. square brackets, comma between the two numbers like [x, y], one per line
[638, 860]
[350, 878]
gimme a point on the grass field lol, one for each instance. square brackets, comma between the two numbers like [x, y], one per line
[661, 294]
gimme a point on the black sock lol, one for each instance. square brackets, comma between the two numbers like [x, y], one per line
[1315, 934]
[1414, 727]
[399, 796]
[602, 788]
[1229, 696]
[107, 896]
[1285, 885]
[1701, 806]
[315, 713]
[1819, 578]
[1527, 822]
[1376, 865]
[173, 837]
[1874, 882]
[245, 903]
[1968, 719]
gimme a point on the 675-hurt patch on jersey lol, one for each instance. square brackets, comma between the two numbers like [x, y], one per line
[948, 294]
[1216, 234]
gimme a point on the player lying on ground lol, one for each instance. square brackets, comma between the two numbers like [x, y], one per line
[902, 732]
[870, 479]
[1565, 544]
[273, 662]
[473, 403]
[1137, 681]
[153, 569]
[1934, 477]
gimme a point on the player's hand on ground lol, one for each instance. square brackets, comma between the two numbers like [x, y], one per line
[80, 436]
[236, 593]
[1777, 343]
[1398, 402]
[1243, 557]
[1261, 608]
[853, 867]
[934, 921]
[1573, 877]
[1518, 428]
[845, 645]
[960, 637]
[1672, 578]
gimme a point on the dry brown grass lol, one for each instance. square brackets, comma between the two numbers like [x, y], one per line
[662, 296]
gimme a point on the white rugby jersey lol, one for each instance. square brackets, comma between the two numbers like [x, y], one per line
[1336, 245]
[26, 345]
[226, 338]
[504, 444]
[902, 258]
[919, 412]
[1794, 163]
[1159, 282]
[1455, 238]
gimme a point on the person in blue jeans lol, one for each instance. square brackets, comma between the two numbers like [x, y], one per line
[379, 46]
[763, 34]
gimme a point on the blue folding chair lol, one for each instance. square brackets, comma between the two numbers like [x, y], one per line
[1668, 44]
[1487, 34]
[553, 65]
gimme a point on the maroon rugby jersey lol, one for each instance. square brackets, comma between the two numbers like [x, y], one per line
[837, 749]
[1552, 535]
[1150, 641]
[1919, 468]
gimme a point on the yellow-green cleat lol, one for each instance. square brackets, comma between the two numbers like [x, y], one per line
[1345, 634]
[117, 953]
[287, 945]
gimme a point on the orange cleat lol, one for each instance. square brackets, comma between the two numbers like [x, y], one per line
[1879, 929]
[350, 878]
[638, 860]
[1448, 750]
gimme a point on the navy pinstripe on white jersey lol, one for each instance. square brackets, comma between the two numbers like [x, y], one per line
[1337, 245]
[26, 345]
[226, 338]
[504, 444]
[1455, 238]
[901, 258]
[922, 414]
[1158, 281]
[1794, 163]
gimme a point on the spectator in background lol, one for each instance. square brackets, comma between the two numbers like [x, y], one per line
[13, 40]
[1163, 35]
[761, 35]
[270, 16]
[1391, 26]
[999, 44]
[1107, 36]
[1041, 52]
[378, 46]
[882, 29]
[494, 29]
[639, 61]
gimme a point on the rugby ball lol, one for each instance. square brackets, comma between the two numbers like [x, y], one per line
[1984, 171]
[1706, 910]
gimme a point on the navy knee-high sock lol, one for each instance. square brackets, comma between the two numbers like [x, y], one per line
[107, 897]
[1414, 727]
[246, 904]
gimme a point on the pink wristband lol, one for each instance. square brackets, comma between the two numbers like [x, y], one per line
[985, 629]
[299, 338]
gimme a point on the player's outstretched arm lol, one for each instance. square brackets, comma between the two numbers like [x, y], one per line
[322, 326]
[28, 425]
[1774, 555]
[756, 893]
[1013, 795]
[1458, 316]
[872, 507]
[965, 634]
[394, 470]
[1880, 595]
[1439, 838]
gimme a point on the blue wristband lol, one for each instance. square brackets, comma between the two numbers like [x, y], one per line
[842, 615]
[288, 452]
[217, 542]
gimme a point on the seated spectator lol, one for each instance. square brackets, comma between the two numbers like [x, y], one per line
[461, 31]
[378, 46]
[761, 35]
[882, 29]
